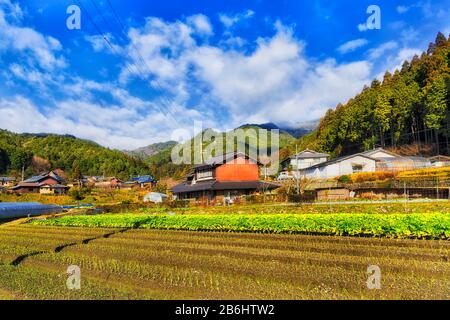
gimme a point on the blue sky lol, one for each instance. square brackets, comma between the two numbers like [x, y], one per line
[171, 64]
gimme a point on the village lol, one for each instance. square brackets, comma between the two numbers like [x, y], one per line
[235, 178]
[196, 154]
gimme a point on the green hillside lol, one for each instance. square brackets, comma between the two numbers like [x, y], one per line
[410, 106]
[40, 152]
[161, 164]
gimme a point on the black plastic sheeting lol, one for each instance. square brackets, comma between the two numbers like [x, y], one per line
[11, 210]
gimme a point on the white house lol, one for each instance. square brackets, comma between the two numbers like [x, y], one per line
[380, 153]
[340, 166]
[304, 159]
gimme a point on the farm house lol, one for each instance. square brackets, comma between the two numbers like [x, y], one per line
[226, 176]
[7, 181]
[304, 159]
[144, 181]
[341, 166]
[35, 183]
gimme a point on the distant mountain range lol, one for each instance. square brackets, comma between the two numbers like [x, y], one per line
[296, 132]
[152, 149]
[287, 136]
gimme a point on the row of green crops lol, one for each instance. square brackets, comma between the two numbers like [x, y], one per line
[436, 225]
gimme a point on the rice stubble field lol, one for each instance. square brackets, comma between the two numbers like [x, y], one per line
[129, 263]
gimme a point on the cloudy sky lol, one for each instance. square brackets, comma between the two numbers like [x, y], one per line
[134, 73]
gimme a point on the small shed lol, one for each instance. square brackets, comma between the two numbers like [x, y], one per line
[155, 197]
[333, 194]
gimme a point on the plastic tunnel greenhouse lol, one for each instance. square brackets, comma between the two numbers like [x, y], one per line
[11, 210]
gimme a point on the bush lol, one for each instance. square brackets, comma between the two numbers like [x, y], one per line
[372, 176]
[430, 173]
[79, 194]
[344, 179]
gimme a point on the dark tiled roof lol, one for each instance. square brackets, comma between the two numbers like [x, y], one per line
[27, 185]
[34, 179]
[214, 185]
[43, 177]
[7, 179]
[144, 179]
[199, 186]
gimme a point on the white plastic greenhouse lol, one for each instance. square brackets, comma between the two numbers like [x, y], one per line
[11, 210]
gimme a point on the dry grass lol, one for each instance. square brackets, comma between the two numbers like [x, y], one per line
[152, 264]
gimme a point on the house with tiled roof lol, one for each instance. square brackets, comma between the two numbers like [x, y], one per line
[145, 181]
[42, 184]
[304, 159]
[7, 182]
[227, 176]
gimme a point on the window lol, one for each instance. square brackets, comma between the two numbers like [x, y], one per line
[357, 168]
[204, 174]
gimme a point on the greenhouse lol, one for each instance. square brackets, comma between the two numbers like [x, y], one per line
[10, 210]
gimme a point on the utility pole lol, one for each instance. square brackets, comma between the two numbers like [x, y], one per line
[297, 172]
[23, 172]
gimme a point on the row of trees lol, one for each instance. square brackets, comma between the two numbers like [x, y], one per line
[409, 106]
[33, 152]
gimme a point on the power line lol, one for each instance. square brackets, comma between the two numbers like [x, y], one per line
[139, 55]
[100, 32]
[113, 49]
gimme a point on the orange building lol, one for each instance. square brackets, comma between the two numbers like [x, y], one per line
[229, 175]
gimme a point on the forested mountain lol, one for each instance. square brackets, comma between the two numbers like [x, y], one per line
[152, 149]
[162, 166]
[41, 152]
[296, 132]
[409, 106]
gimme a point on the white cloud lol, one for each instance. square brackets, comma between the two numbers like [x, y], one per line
[31, 75]
[402, 9]
[201, 24]
[117, 126]
[274, 82]
[99, 43]
[13, 10]
[377, 52]
[352, 45]
[41, 49]
[230, 20]
[395, 61]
